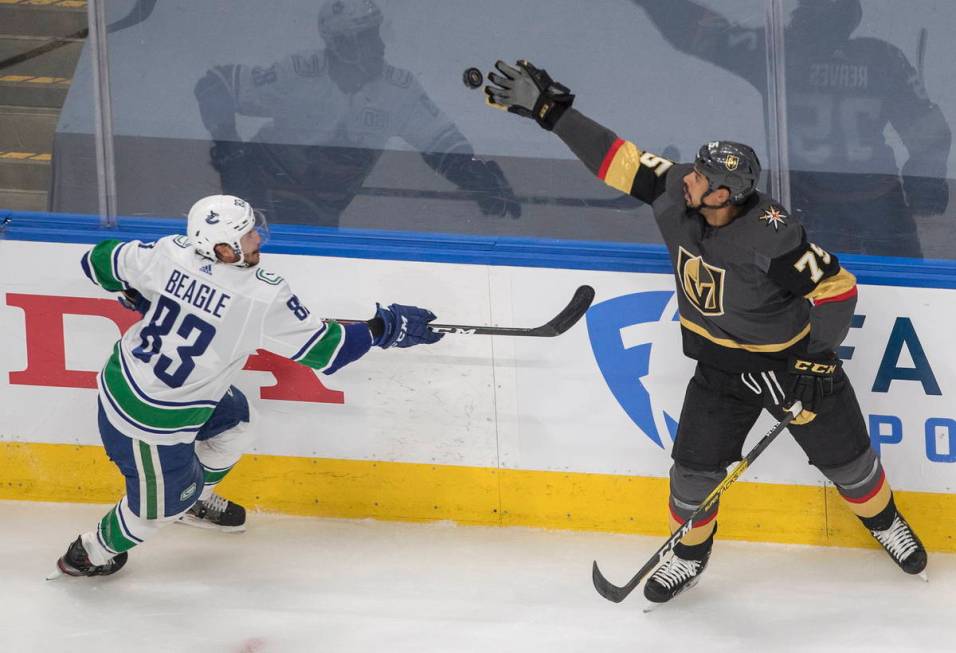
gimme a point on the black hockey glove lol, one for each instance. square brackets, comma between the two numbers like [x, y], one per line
[496, 196]
[232, 161]
[926, 195]
[811, 381]
[402, 326]
[529, 92]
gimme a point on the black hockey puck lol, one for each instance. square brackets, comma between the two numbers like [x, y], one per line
[472, 78]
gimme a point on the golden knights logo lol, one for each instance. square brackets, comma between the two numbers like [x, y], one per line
[702, 283]
[731, 162]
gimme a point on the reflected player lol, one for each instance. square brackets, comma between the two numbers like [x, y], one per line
[843, 92]
[331, 112]
[762, 311]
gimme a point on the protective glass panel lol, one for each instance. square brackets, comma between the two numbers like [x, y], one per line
[39, 47]
[346, 113]
[869, 106]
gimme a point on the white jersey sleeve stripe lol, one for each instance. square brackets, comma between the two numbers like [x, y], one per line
[309, 343]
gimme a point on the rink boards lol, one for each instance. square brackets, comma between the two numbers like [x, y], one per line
[569, 432]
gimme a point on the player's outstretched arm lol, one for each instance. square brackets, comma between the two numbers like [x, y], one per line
[530, 92]
[291, 330]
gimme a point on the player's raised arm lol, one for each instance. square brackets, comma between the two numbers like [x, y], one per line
[530, 92]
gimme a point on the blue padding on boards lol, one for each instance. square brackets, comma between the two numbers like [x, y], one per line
[451, 248]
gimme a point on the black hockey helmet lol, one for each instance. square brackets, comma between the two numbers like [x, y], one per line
[731, 165]
[833, 20]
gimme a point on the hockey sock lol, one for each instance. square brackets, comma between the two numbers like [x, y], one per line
[121, 529]
[883, 519]
[696, 551]
[211, 478]
[702, 531]
[688, 488]
[220, 453]
[862, 484]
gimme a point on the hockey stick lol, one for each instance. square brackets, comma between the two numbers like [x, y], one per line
[622, 202]
[617, 594]
[921, 54]
[567, 318]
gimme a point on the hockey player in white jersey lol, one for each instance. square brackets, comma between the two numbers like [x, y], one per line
[329, 114]
[168, 416]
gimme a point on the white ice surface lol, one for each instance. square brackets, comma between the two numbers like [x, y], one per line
[311, 585]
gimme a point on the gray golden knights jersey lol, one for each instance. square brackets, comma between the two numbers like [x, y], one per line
[750, 293]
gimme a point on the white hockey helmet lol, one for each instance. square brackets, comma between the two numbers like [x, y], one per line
[348, 17]
[221, 219]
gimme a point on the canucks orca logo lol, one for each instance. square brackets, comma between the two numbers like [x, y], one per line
[637, 345]
[703, 284]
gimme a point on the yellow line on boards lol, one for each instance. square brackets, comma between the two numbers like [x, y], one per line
[25, 156]
[62, 4]
[31, 79]
[481, 496]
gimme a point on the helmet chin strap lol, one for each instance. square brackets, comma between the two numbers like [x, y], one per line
[703, 205]
[241, 263]
[237, 250]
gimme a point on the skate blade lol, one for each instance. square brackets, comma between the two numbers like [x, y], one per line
[56, 574]
[922, 575]
[188, 520]
[650, 606]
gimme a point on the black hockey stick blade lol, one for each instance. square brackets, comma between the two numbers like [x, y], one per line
[567, 318]
[609, 590]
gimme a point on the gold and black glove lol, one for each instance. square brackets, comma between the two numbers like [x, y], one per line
[529, 92]
[811, 379]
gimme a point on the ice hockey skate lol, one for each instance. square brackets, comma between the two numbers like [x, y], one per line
[76, 562]
[903, 546]
[677, 575]
[216, 513]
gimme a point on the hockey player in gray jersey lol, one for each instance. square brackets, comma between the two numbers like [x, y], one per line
[762, 311]
[169, 417]
[331, 111]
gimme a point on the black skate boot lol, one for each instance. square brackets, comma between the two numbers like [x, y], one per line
[679, 573]
[218, 513]
[902, 544]
[76, 562]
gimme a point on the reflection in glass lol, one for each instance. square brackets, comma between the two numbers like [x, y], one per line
[843, 92]
[330, 113]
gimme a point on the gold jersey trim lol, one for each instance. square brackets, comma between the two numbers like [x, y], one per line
[839, 284]
[623, 167]
[733, 344]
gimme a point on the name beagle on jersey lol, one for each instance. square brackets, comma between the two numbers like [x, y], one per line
[196, 293]
[702, 283]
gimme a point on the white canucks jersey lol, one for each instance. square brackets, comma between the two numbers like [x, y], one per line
[168, 372]
[308, 108]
